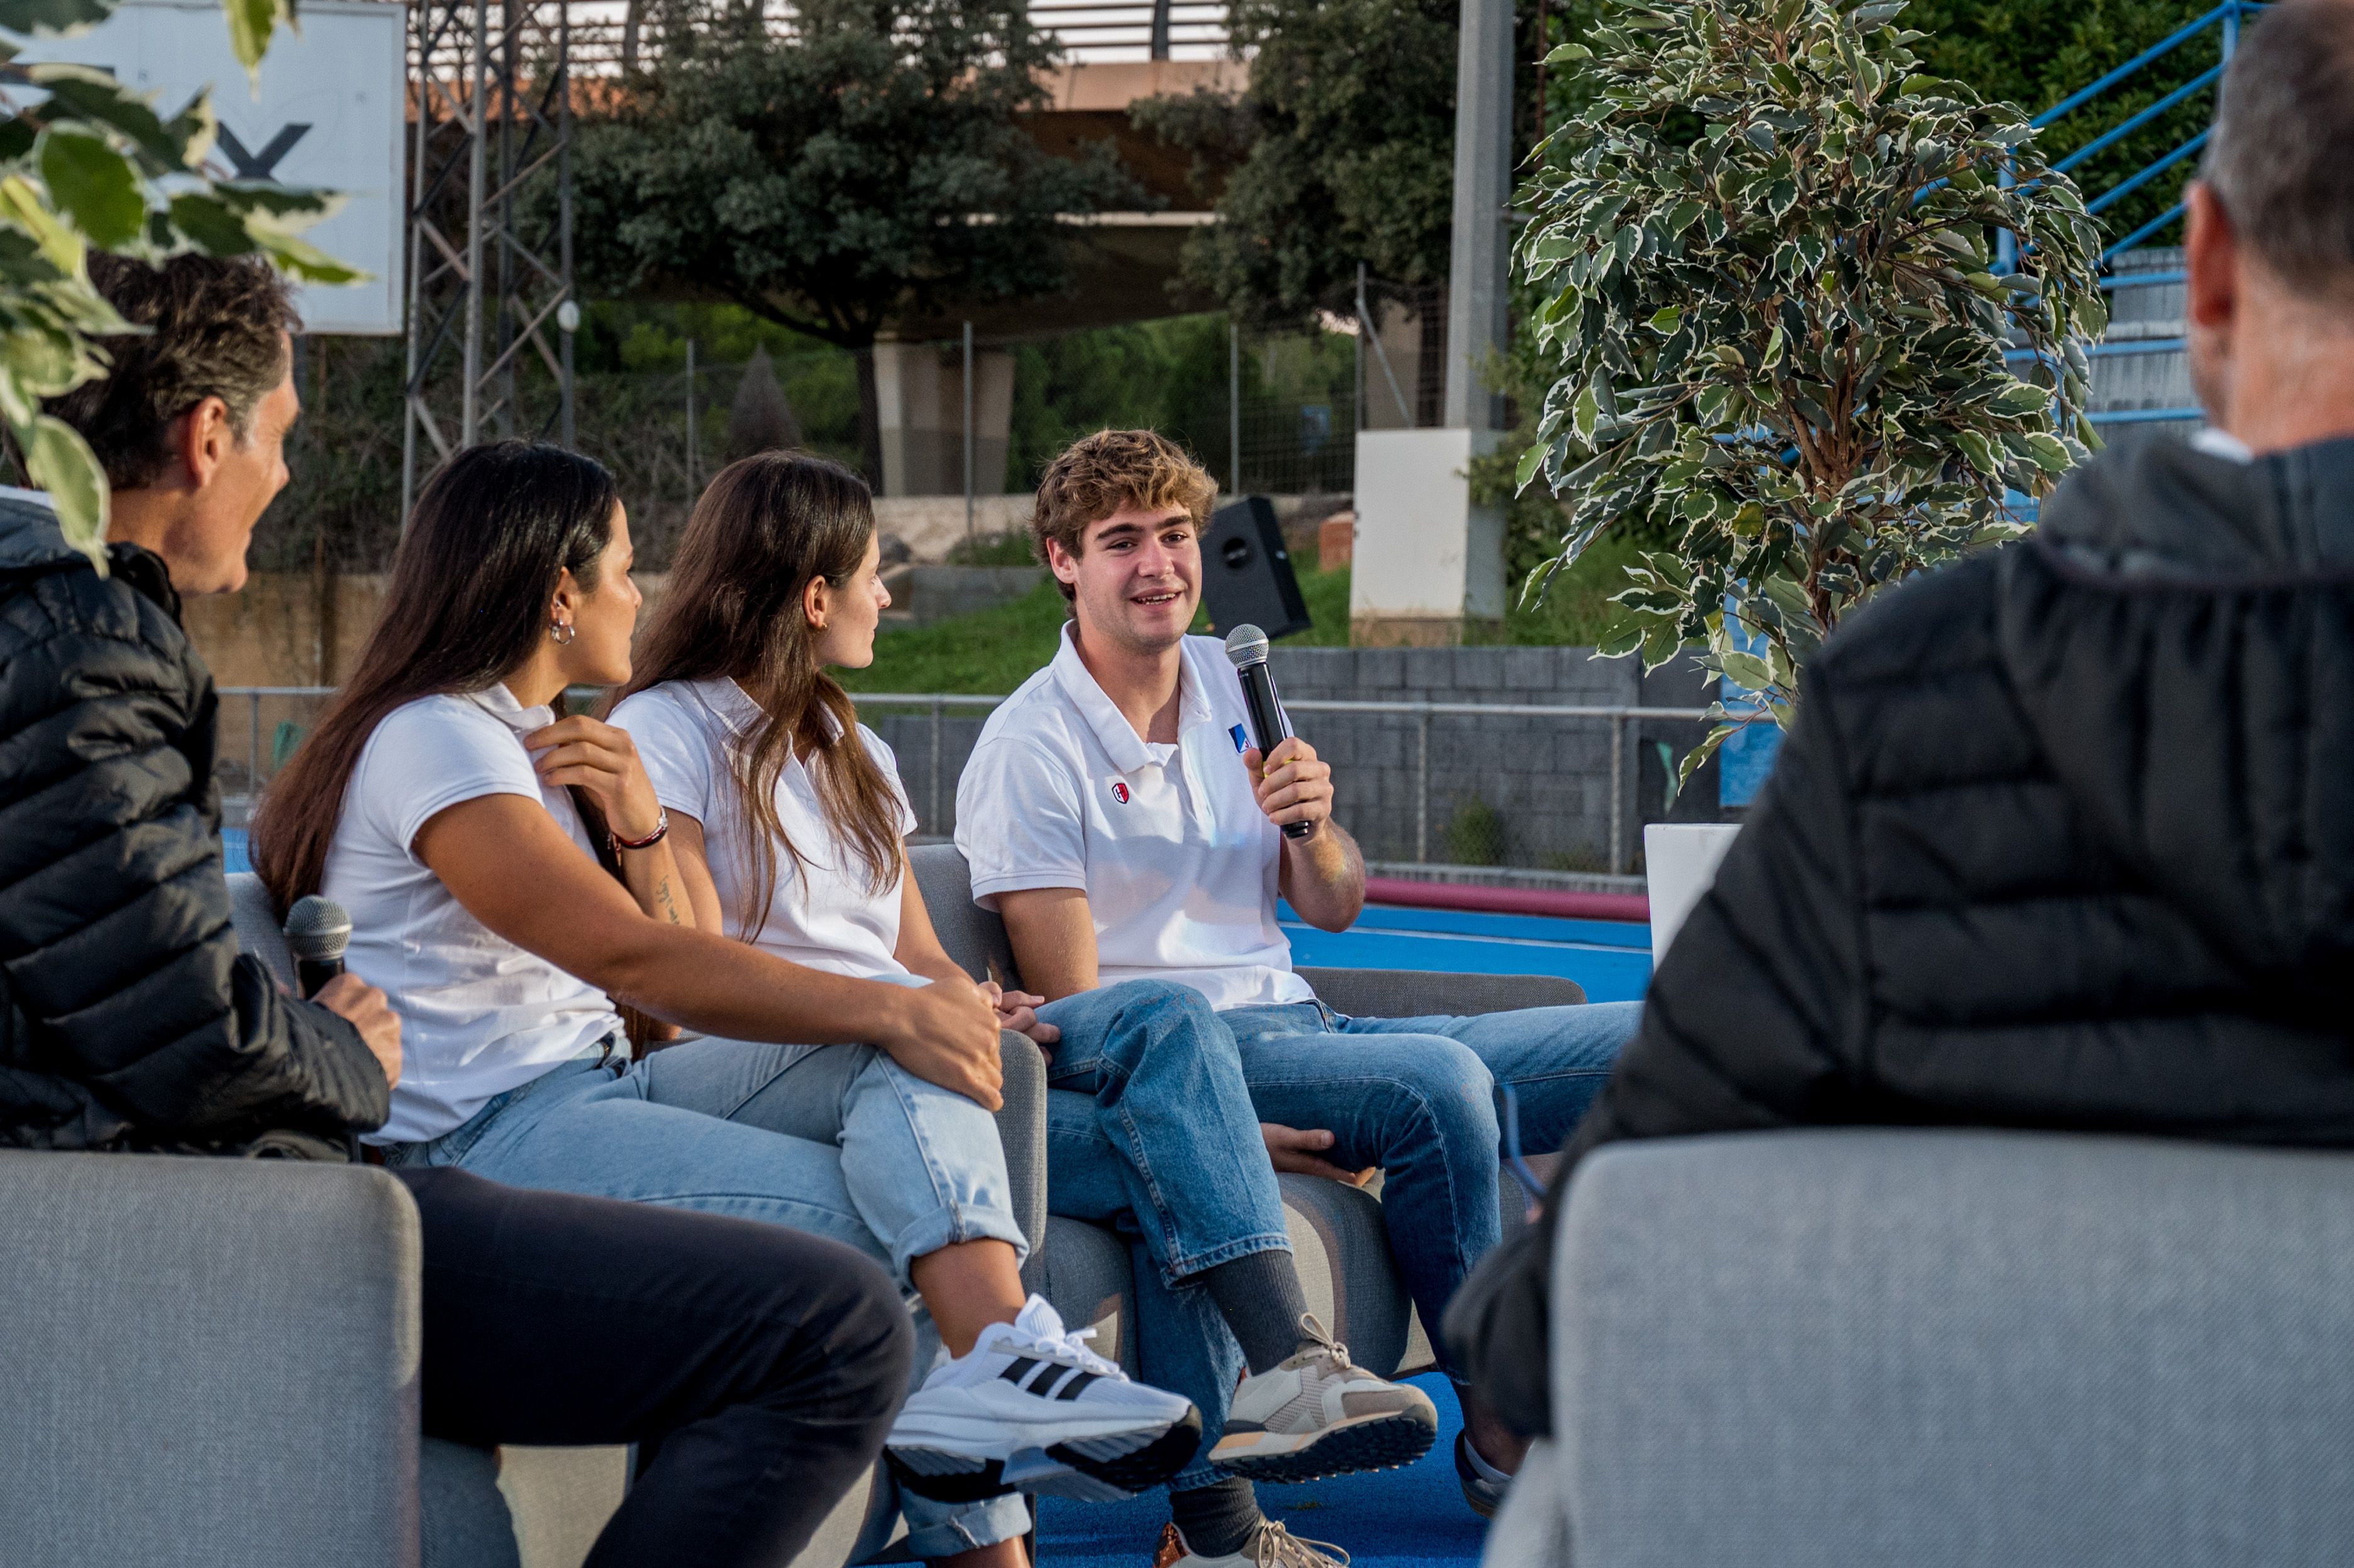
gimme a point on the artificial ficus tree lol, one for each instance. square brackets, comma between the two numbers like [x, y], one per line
[1767, 253]
[82, 162]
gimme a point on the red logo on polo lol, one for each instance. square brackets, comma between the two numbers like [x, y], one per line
[1120, 791]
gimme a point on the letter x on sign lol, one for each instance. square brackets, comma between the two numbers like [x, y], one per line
[258, 165]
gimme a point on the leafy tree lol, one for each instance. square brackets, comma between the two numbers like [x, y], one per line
[80, 156]
[867, 164]
[1766, 245]
[1342, 150]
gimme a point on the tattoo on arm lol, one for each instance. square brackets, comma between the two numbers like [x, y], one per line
[669, 904]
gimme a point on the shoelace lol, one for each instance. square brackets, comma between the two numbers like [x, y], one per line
[1316, 1331]
[1069, 1348]
[1278, 1548]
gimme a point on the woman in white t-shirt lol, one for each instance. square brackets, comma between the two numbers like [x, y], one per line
[439, 802]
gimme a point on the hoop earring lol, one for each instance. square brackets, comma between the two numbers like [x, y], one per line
[561, 632]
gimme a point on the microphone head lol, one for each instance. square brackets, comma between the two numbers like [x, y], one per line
[1247, 644]
[317, 930]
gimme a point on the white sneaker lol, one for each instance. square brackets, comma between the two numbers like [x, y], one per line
[1272, 1547]
[1317, 1416]
[1031, 1409]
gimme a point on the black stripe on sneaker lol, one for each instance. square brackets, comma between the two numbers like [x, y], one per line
[1043, 1379]
[1076, 1385]
[1023, 1367]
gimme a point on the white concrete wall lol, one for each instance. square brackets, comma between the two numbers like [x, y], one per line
[1426, 557]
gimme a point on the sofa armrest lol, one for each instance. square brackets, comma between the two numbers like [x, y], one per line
[1022, 1129]
[209, 1362]
[1943, 1348]
[1415, 994]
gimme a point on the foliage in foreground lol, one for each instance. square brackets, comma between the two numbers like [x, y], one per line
[82, 164]
[1768, 245]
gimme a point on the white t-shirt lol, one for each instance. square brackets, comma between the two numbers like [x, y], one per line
[824, 916]
[478, 1015]
[1178, 861]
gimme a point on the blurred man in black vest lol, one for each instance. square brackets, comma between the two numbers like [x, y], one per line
[128, 1019]
[2064, 834]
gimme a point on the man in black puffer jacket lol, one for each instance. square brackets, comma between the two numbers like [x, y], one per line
[2064, 837]
[128, 1018]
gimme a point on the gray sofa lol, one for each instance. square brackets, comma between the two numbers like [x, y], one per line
[211, 1363]
[1829, 1350]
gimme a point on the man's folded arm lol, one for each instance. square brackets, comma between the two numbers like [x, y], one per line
[135, 983]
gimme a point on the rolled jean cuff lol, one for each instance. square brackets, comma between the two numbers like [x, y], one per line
[1199, 1474]
[951, 1224]
[943, 1529]
[1178, 1270]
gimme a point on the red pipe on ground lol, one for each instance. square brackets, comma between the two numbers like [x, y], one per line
[1560, 905]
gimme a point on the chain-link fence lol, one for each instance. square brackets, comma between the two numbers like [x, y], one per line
[1513, 793]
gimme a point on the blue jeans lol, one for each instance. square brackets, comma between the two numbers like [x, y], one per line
[836, 1140]
[1152, 1125]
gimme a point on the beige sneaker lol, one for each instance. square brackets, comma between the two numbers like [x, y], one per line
[1272, 1547]
[1317, 1416]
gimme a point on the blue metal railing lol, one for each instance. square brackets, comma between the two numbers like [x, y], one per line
[2224, 20]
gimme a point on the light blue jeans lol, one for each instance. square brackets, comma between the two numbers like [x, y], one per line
[837, 1141]
[1152, 1121]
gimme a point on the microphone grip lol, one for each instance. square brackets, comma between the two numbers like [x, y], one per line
[1269, 728]
[310, 975]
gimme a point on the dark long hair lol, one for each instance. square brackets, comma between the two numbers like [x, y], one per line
[767, 525]
[493, 532]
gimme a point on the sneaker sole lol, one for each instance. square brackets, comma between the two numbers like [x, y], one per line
[1370, 1442]
[1108, 1468]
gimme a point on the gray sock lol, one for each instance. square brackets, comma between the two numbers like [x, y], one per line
[1218, 1519]
[1258, 1295]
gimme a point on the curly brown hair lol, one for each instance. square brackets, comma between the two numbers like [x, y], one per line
[218, 330]
[1098, 475]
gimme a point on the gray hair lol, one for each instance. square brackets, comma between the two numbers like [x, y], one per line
[2280, 159]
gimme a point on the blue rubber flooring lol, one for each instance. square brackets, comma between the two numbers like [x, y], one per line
[1412, 1518]
[1611, 958]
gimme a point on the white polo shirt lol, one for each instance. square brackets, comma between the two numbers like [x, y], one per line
[823, 915]
[1178, 862]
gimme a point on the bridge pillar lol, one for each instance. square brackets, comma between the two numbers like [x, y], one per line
[919, 403]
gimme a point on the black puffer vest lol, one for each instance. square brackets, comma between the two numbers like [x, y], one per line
[2063, 838]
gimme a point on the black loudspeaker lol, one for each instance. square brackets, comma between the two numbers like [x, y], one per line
[1247, 572]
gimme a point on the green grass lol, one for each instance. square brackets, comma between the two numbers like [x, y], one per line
[995, 649]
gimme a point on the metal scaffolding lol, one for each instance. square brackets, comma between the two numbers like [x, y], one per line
[490, 228]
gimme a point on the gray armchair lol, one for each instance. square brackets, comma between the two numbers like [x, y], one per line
[1344, 1253]
[1932, 1349]
[212, 1364]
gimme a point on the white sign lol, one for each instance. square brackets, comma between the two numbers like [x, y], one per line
[331, 113]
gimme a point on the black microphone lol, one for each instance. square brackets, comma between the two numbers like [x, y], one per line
[1246, 646]
[317, 931]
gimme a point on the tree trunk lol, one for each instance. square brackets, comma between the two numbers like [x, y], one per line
[870, 420]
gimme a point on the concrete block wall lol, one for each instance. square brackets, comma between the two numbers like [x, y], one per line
[1521, 792]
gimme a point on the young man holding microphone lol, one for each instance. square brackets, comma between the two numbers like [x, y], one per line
[1117, 819]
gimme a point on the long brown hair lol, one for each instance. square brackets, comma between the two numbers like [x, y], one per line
[766, 528]
[493, 532]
